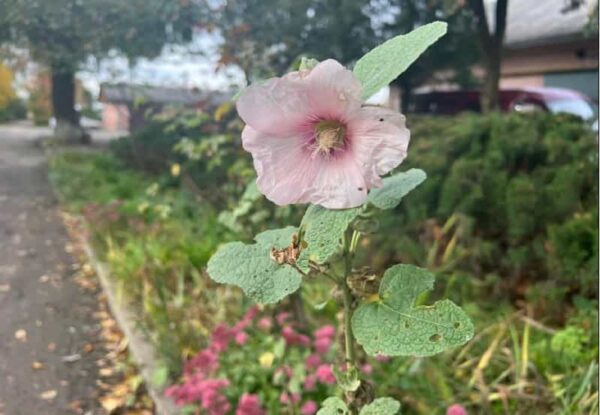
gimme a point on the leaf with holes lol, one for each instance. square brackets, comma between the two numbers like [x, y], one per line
[251, 268]
[323, 230]
[393, 326]
[395, 188]
[381, 406]
[387, 61]
[333, 406]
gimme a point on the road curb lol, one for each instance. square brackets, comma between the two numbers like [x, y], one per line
[142, 351]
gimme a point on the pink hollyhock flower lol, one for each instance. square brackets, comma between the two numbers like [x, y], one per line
[309, 408]
[249, 404]
[313, 361]
[312, 141]
[325, 331]
[456, 409]
[325, 374]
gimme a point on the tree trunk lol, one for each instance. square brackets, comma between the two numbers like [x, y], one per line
[490, 94]
[67, 128]
[491, 43]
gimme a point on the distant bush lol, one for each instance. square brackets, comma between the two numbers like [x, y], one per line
[513, 197]
[39, 106]
[13, 110]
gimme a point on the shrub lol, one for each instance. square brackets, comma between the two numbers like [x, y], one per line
[14, 110]
[525, 190]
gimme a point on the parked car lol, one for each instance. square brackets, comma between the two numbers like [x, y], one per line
[554, 100]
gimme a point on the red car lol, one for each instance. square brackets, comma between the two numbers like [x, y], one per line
[554, 100]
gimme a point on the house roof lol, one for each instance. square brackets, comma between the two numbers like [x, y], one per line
[128, 93]
[533, 22]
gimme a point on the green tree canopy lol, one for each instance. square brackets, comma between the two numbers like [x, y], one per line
[63, 33]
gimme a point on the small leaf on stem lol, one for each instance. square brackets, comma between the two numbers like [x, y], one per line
[395, 188]
[393, 326]
[252, 268]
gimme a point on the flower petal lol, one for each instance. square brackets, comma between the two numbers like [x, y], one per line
[339, 184]
[379, 140]
[334, 90]
[285, 171]
[278, 106]
[288, 173]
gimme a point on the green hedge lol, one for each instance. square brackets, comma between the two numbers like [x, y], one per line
[519, 192]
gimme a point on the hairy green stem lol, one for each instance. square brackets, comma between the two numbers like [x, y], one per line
[348, 298]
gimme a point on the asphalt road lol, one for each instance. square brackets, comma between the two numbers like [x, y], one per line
[46, 318]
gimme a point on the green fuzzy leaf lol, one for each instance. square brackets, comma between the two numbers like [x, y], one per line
[392, 326]
[381, 406]
[251, 268]
[395, 188]
[323, 231]
[387, 61]
[333, 406]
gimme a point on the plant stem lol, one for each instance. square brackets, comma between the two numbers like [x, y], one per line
[349, 245]
[348, 338]
[348, 298]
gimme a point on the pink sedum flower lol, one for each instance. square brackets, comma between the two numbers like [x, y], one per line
[323, 344]
[367, 369]
[241, 338]
[249, 404]
[325, 375]
[456, 409]
[312, 141]
[265, 324]
[309, 408]
[310, 382]
[325, 331]
[313, 361]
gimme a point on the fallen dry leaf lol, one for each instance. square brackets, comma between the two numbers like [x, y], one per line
[71, 358]
[44, 278]
[48, 395]
[110, 403]
[37, 365]
[51, 347]
[88, 347]
[105, 372]
[21, 335]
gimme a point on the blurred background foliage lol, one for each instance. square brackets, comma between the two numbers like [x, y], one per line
[507, 219]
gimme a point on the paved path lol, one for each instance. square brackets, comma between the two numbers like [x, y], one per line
[45, 316]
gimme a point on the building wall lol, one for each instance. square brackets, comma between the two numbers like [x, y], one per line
[115, 117]
[558, 57]
[571, 65]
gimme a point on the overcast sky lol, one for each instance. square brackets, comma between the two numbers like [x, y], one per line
[193, 65]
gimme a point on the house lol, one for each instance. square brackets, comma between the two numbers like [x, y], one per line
[547, 43]
[127, 107]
